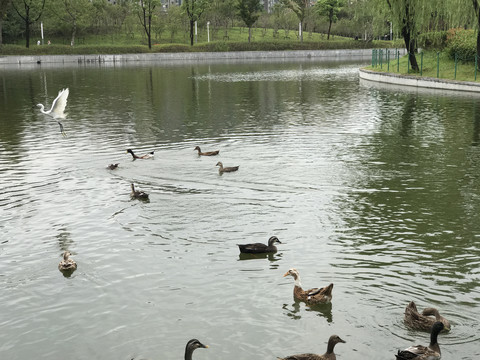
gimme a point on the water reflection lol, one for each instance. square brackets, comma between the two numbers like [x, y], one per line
[294, 310]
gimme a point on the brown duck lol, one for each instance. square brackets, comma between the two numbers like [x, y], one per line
[67, 264]
[222, 169]
[259, 248]
[311, 296]
[136, 194]
[420, 352]
[425, 320]
[329, 355]
[145, 156]
[206, 153]
[191, 346]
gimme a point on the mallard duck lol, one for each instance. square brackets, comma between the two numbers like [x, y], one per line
[258, 248]
[145, 156]
[329, 355]
[191, 346]
[419, 352]
[423, 321]
[222, 169]
[112, 166]
[138, 194]
[206, 153]
[311, 296]
[67, 264]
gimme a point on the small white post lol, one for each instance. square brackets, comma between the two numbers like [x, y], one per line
[208, 31]
[195, 32]
[41, 30]
[299, 30]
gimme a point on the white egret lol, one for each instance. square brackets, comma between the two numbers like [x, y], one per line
[58, 108]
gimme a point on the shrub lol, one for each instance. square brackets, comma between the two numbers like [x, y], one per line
[433, 40]
[462, 43]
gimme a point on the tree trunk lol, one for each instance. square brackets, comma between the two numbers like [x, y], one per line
[149, 33]
[329, 28]
[411, 48]
[192, 25]
[301, 31]
[249, 34]
[27, 32]
[74, 32]
[1, 27]
[476, 7]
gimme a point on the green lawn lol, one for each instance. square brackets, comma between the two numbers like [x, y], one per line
[432, 64]
[236, 39]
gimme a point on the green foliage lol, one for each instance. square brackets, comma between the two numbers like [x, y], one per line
[462, 43]
[249, 11]
[329, 8]
[432, 40]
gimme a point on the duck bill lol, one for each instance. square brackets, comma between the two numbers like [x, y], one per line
[286, 274]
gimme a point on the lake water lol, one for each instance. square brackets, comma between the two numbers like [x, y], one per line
[374, 188]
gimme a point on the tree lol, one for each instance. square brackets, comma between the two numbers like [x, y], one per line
[75, 13]
[299, 7]
[194, 9]
[249, 12]
[33, 10]
[330, 9]
[4, 4]
[476, 7]
[146, 11]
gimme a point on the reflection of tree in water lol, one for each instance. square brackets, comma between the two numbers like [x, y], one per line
[322, 310]
[407, 116]
[476, 124]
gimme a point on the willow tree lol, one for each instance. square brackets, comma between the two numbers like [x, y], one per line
[299, 7]
[4, 4]
[476, 7]
[411, 18]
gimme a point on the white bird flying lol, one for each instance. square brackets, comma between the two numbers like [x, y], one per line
[58, 108]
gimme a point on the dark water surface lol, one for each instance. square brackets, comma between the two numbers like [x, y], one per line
[374, 188]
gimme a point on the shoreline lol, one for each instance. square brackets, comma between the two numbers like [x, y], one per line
[344, 54]
[423, 82]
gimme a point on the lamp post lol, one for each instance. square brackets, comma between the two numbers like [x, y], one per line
[195, 32]
[208, 31]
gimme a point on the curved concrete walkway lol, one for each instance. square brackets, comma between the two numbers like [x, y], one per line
[426, 82]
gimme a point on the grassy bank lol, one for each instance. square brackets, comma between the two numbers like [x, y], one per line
[432, 64]
[236, 40]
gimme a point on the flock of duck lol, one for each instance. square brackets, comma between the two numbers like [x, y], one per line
[429, 320]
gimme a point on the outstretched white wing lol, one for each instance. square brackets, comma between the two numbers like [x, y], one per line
[59, 104]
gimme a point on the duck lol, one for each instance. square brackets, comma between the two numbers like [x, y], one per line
[206, 153]
[191, 346]
[424, 321]
[258, 248]
[311, 296]
[112, 166]
[67, 264]
[145, 156]
[138, 194]
[420, 352]
[222, 169]
[329, 355]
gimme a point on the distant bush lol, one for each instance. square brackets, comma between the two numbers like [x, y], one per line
[462, 43]
[433, 40]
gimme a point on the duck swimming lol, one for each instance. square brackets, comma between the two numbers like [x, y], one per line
[112, 166]
[136, 194]
[329, 355]
[222, 169]
[206, 153]
[311, 296]
[259, 248]
[424, 321]
[67, 264]
[191, 346]
[419, 352]
[145, 156]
